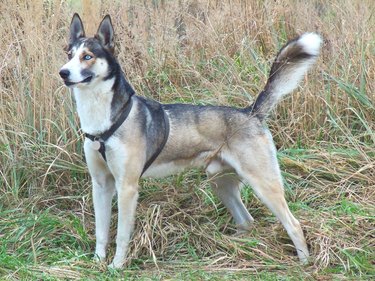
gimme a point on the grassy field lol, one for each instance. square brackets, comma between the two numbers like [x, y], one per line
[201, 52]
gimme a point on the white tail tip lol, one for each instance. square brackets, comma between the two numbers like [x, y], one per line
[311, 43]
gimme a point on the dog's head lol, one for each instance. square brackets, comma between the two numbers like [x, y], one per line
[89, 58]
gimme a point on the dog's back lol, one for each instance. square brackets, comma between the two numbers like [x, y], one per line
[198, 133]
[129, 136]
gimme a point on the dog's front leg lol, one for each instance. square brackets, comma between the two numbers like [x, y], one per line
[102, 198]
[127, 193]
[103, 190]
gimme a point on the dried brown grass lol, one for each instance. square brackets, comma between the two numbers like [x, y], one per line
[202, 52]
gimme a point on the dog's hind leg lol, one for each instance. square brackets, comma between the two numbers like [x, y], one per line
[258, 165]
[227, 187]
[271, 193]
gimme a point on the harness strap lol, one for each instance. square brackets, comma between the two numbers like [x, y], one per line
[160, 148]
[101, 139]
[101, 144]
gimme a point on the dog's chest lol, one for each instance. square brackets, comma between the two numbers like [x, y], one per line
[94, 110]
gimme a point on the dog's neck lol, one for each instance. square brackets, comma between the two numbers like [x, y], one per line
[100, 104]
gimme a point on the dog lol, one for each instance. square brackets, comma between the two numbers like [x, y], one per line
[129, 136]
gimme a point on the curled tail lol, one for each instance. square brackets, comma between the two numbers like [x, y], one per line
[289, 67]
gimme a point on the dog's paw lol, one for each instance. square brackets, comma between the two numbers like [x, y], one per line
[116, 264]
[244, 228]
[304, 257]
[99, 258]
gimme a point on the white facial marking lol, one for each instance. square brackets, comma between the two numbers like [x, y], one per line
[77, 66]
[93, 98]
[74, 65]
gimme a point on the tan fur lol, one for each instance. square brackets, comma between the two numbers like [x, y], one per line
[232, 145]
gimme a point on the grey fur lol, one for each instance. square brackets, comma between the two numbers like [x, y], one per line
[231, 144]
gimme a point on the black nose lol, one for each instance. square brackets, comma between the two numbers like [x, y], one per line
[64, 73]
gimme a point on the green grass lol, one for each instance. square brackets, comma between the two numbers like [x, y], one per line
[53, 243]
[324, 133]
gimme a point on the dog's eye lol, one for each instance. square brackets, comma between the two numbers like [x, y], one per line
[87, 57]
[70, 55]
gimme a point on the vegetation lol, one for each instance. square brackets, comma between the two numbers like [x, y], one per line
[201, 52]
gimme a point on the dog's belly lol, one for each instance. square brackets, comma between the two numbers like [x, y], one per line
[163, 170]
[160, 170]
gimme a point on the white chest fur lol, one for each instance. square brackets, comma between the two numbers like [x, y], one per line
[94, 106]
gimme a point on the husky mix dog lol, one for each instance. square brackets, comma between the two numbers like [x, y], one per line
[129, 136]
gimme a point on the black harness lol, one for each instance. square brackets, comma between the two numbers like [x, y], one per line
[99, 141]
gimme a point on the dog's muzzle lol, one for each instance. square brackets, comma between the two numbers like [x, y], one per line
[65, 73]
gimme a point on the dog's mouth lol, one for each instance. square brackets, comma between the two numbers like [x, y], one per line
[86, 80]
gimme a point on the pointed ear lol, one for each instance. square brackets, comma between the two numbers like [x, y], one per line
[105, 33]
[76, 29]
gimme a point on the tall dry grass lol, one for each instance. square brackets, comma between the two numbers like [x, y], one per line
[204, 52]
